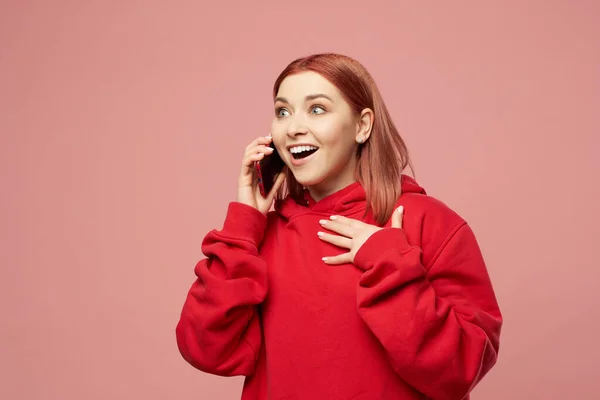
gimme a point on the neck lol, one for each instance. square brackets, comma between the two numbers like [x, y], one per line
[324, 189]
[335, 182]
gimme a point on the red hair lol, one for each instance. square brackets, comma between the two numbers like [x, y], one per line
[384, 156]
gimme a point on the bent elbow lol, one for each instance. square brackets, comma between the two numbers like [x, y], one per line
[224, 359]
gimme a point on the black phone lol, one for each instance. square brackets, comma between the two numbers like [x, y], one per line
[267, 170]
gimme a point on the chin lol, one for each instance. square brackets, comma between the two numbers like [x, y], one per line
[308, 179]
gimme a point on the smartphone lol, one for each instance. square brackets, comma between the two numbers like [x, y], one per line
[267, 170]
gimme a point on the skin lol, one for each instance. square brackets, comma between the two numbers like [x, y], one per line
[310, 110]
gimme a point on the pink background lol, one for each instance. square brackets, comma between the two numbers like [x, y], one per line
[123, 123]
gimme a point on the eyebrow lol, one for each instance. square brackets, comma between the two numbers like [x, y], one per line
[307, 98]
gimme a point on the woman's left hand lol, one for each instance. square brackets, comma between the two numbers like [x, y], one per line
[351, 235]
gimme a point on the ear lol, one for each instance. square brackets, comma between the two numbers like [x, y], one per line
[364, 125]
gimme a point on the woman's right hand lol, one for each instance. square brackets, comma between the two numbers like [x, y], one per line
[248, 192]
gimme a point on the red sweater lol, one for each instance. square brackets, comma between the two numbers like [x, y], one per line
[414, 317]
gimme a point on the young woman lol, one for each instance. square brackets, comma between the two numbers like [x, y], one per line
[358, 285]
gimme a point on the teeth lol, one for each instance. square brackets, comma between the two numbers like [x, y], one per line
[300, 149]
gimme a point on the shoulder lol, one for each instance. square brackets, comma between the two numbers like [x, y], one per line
[429, 207]
[428, 223]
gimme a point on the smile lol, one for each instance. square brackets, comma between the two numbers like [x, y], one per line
[302, 151]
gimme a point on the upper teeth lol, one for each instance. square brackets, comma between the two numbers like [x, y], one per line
[299, 149]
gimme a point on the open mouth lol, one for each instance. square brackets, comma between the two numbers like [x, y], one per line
[300, 152]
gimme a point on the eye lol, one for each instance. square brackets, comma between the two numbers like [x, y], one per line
[317, 110]
[281, 112]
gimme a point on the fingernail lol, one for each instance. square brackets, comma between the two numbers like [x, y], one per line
[333, 217]
[269, 137]
[400, 209]
[269, 149]
[324, 258]
[323, 221]
[320, 234]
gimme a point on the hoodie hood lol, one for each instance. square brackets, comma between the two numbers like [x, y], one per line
[349, 201]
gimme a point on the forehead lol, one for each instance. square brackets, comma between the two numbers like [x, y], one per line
[298, 86]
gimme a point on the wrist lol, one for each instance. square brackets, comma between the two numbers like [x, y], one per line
[245, 221]
[379, 244]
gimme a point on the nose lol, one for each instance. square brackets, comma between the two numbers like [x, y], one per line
[297, 126]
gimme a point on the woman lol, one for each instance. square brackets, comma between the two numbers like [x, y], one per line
[358, 285]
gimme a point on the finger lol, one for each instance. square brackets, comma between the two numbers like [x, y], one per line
[345, 220]
[278, 182]
[264, 140]
[338, 227]
[397, 217]
[259, 149]
[337, 260]
[255, 154]
[249, 160]
[335, 240]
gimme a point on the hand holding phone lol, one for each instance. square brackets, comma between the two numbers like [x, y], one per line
[267, 170]
[250, 192]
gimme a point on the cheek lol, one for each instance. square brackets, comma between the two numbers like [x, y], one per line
[337, 135]
[273, 126]
[278, 131]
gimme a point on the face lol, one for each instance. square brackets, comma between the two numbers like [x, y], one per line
[317, 133]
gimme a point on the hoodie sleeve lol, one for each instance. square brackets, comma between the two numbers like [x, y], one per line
[440, 324]
[219, 330]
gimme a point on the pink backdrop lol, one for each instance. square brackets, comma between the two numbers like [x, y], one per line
[122, 127]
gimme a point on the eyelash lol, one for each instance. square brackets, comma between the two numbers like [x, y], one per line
[317, 106]
[279, 109]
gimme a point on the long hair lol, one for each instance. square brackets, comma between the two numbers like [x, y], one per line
[384, 156]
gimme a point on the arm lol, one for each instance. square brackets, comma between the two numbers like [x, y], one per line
[440, 324]
[219, 330]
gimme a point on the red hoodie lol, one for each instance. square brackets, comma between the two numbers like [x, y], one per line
[414, 317]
